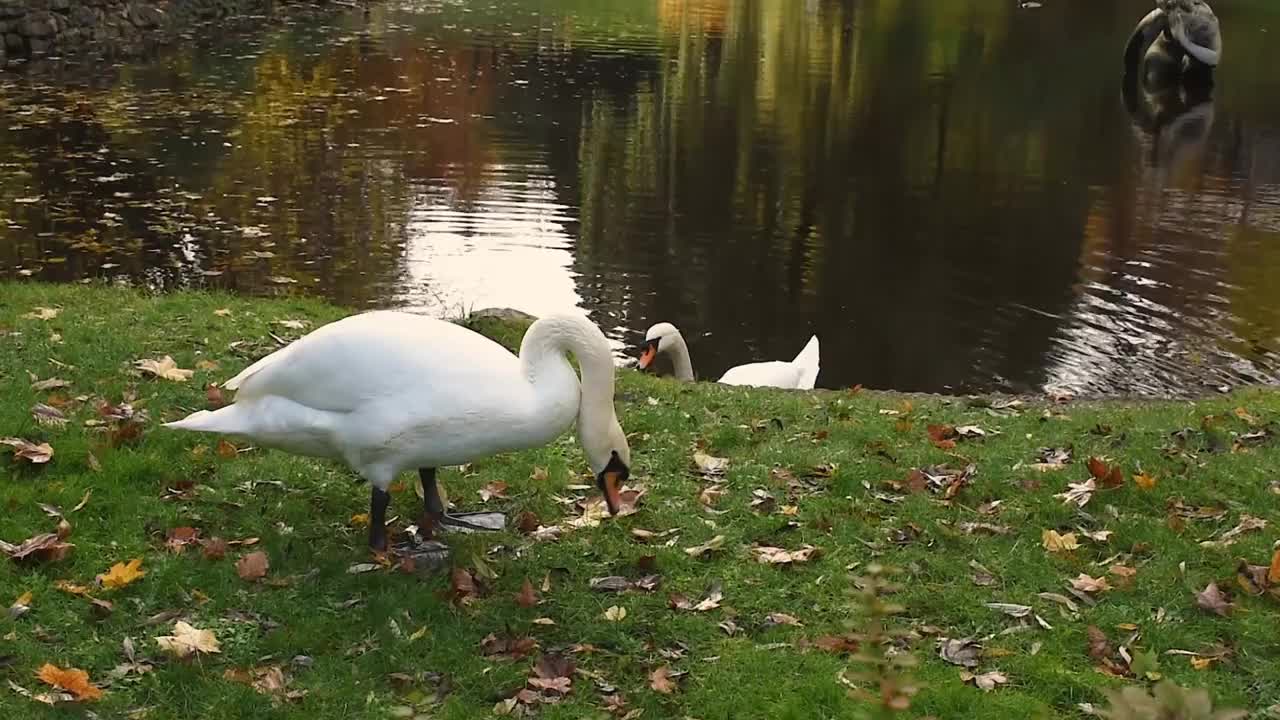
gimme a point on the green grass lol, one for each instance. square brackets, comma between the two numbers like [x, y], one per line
[301, 509]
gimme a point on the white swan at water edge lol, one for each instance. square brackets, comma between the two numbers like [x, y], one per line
[390, 391]
[800, 373]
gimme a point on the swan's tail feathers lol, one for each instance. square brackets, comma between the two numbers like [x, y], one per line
[225, 420]
[808, 362]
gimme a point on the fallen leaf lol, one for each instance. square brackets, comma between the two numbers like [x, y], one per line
[496, 489]
[187, 640]
[222, 312]
[215, 548]
[511, 647]
[836, 644]
[660, 680]
[50, 384]
[711, 600]
[1053, 542]
[778, 618]
[964, 651]
[1084, 583]
[1144, 481]
[1078, 493]
[1247, 523]
[46, 547]
[709, 464]
[462, 586]
[1011, 609]
[714, 543]
[611, 583]
[972, 528]
[527, 597]
[121, 574]
[73, 680]
[253, 566]
[226, 450]
[21, 606]
[42, 313]
[213, 397]
[269, 680]
[164, 368]
[29, 451]
[987, 681]
[1273, 574]
[48, 416]
[615, 614]
[777, 556]
[177, 539]
[1099, 646]
[1213, 600]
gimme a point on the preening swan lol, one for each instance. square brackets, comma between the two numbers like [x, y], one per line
[391, 391]
[800, 373]
[1178, 34]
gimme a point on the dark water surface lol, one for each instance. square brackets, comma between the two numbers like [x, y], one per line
[951, 191]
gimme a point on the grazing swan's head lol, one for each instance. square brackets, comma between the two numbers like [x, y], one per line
[658, 339]
[610, 458]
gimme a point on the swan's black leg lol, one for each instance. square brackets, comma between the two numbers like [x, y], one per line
[434, 506]
[378, 501]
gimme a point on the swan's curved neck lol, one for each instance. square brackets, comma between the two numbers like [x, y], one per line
[542, 357]
[680, 362]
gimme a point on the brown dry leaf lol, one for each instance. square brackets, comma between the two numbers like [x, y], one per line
[942, 436]
[714, 543]
[661, 681]
[963, 651]
[1053, 542]
[1084, 583]
[253, 566]
[226, 450]
[48, 416]
[987, 681]
[709, 464]
[527, 597]
[778, 618]
[462, 586]
[777, 556]
[1078, 493]
[836, 644]
[1273, 574]
[1248, 523]
[1213, 600]
[527, 522]
[510, 647]
[213, 397]
[52, 383]
[1144, 481]
[29, 451]
[177, 539]
[215, 548]
[164, 368]
[496, 489]
[268, 679]
[187, 640]
[72, 680]
[1099, 646]
[45, 547]
[121, 574]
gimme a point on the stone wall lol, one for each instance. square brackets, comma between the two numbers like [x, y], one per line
[35, 28]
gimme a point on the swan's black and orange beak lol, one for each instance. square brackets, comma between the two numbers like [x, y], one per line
[650, 352]
[610, 482]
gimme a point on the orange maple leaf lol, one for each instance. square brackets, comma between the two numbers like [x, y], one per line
[121, 574]
[72, 680]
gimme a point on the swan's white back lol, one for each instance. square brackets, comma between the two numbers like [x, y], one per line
[387, 391]
[801, 373]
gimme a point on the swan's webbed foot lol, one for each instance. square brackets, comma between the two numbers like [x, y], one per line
[440, 517]
[378, 502]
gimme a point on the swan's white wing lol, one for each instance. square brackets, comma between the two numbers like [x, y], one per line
[374, 356]
[764, 374]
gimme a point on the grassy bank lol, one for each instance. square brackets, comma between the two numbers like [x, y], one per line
[836, 467]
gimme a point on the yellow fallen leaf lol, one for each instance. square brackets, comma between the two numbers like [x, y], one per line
[360, 520]
[222, 312]
[615, 614]
[24, 599]
[73, 680]
[121, 574]
[1053, 542]
[1201, 663]
[70, 587]
[1273, 575]
[1144, 481]
[186, 640]
[42, 313]
[164, 368]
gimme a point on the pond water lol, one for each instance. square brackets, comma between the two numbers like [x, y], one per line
[951, 192]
